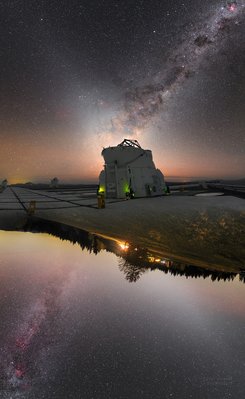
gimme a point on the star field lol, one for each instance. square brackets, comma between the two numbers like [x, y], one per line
[81, 75]
[72, 327]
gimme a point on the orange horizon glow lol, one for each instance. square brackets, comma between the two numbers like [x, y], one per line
[95, 179]
[82, 163]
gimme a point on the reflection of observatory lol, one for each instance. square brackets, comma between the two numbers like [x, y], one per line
[129, 171]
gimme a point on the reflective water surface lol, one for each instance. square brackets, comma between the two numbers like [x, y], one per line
[73, 326]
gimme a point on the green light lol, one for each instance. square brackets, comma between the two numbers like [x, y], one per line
[126, 188]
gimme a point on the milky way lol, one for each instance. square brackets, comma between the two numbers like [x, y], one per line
[144, 103]
[19, 368]
[83, 75]
[104, 338]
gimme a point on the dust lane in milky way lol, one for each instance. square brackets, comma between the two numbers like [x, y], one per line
[80, 76]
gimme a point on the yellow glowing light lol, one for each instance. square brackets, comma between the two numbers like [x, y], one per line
[101, 189]
[152, 259]
[124, 246]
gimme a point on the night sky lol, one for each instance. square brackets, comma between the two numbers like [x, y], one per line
[73, 327]
[79, 75]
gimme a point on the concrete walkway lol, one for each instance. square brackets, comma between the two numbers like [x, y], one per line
[199, 230]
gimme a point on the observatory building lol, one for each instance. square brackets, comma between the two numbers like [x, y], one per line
[129, 171]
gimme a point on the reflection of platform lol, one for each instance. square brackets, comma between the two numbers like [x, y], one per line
[133, 260]
[192, 228]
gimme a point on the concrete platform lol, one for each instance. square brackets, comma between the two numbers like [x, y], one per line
[199, 230]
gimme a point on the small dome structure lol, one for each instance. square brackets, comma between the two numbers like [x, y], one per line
[129, 171]
[54, 183]
[4, 184]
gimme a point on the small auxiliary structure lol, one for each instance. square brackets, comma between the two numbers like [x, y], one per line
[4, 184]
[54, 183]
[129, 172]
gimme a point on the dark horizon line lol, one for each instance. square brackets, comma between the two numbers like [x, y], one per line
[95, 180]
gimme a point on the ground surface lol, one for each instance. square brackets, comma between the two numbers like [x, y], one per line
[196, 229]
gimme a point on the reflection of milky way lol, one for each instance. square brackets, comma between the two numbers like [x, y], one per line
[19, 365]
[143, 103]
